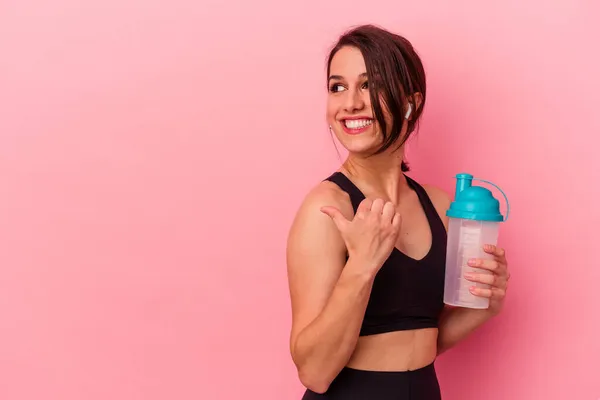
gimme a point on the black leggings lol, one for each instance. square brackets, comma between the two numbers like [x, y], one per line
[353, 384]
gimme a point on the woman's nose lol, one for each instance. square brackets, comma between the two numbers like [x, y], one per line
[354, 101]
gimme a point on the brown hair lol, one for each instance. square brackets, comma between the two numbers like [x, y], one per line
[395, 73]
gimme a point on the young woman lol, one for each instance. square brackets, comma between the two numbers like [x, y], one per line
[366, 252]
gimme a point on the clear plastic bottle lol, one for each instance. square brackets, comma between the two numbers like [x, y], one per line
[474, 220]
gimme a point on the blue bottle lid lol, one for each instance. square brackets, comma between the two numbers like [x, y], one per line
[475, 202]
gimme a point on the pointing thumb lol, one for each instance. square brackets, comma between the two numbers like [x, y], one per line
[337, 217]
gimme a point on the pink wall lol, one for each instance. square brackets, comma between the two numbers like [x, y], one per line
[152, 155]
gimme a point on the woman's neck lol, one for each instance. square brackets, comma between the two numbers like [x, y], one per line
[381, 173]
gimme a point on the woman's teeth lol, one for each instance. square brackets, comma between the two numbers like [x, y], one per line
[357, 123]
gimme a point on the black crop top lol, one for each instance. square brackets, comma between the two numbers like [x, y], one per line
[406, 293]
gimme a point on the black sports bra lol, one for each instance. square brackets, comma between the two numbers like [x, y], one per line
[407, 293]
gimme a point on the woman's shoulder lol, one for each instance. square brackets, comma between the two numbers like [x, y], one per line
[437, 194]
[325, 193]
[313, 233]
[440, 198]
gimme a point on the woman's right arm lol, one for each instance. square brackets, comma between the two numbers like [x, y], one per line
[328, 295]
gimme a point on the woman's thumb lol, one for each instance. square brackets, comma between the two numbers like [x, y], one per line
[336, 215]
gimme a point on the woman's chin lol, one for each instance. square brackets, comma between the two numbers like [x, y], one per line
[360, 146]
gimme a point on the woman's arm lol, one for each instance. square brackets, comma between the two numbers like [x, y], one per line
[456, 323]
[329, 295]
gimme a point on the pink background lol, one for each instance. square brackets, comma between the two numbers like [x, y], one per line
[152, 155]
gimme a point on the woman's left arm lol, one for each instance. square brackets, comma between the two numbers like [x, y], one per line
[457, 323]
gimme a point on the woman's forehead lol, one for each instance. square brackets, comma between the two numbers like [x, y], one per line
[348, 63]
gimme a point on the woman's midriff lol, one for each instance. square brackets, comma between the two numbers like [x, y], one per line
[395, 351]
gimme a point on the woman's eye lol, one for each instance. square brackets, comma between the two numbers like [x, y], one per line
[338, 87]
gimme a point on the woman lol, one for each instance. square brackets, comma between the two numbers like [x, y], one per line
[366, 251]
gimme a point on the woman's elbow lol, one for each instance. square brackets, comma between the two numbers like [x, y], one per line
[314, 382]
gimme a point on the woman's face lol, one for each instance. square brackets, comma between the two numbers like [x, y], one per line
[349, 111]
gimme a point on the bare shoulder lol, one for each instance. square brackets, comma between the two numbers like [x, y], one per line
[441, 200]
[315, 254]
[310, 219]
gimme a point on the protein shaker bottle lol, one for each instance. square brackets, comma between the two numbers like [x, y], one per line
[474, 220]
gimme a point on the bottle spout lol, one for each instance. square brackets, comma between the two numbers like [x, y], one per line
[463, 181]
[476, 202]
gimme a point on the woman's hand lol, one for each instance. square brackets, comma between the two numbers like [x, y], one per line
[371, 235]
[497, 279]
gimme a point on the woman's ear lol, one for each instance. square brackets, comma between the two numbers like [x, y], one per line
[417, 100]
[414, 103]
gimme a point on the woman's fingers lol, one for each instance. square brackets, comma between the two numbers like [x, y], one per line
[485, 278]
[377, 206]
[396, 222]
[363, 208]
[388, 211]
[492, 292]
[494, 250]
[490, 265]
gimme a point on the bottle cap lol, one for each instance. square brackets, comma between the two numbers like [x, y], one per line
[475, 202]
